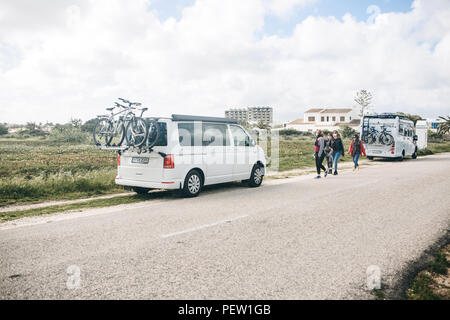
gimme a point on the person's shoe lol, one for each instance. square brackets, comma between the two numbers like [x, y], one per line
[335, 173]
[326, 173]
[357, 167]
[318, 177]
[330, 171]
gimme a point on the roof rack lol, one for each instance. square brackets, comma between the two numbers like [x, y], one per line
[386, 116]
[183, 117]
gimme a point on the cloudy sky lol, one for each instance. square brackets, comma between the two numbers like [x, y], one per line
[71, 58]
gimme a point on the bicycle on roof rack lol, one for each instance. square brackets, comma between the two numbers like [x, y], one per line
[113, 130]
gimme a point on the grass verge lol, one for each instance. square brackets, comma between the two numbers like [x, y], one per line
[433, 283]
[98, 203]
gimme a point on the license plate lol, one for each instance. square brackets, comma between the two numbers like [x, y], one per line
[139, 160]
[377, 151]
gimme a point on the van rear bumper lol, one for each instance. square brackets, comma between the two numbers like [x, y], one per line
[172, 184]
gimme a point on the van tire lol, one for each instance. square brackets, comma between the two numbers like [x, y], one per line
[257, 176]
[192, 184]
[370, 158]
[140, 190]
[414, 155]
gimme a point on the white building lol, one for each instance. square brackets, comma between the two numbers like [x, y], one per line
[433, 123]
[326, 119]
[251, 114]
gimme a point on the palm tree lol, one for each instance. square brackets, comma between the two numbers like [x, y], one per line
[262, 125]
[444, 127]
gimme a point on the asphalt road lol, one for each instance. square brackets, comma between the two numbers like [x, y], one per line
[295, 238]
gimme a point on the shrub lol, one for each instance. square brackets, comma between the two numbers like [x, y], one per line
[69, 134]
[293, 132]
[3, 129]
[347, 132]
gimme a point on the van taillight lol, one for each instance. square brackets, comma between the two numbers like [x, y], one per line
[393, 148]
[168, 162]
[118, 160]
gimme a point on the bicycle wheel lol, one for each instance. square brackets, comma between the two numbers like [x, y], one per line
[153, 133]
[115, 139]
[387, 139]
[100, 131]
[371, 139]
[136, 132]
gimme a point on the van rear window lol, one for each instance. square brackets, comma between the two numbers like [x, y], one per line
[162, 140]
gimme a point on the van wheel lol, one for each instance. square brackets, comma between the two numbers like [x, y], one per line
[414, 155]
[257, 176]
[370, 158]
[139, 190]
[192, 184]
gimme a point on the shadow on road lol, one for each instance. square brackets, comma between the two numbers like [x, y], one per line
[176, 194]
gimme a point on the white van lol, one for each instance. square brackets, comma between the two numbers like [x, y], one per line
[389, 135]
[193, 152]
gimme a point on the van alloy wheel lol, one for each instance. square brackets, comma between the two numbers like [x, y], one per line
[194, 184]
[259, 173]
[257, 176]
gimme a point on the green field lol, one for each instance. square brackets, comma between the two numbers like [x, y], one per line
[36, 170]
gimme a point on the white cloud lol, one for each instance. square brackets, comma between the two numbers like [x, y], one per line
[85, 54]
[283, 8]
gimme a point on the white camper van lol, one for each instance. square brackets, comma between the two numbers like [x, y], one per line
[389, 136]
[192, 152]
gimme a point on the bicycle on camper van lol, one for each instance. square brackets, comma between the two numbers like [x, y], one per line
[382, 137]
[113, 129]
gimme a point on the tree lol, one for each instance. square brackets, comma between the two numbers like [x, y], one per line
[244, 123]
[347, 132]
[262, 125]
[88, 126]
[444, 127]
[412, 117]
[76, 123]
[3, 129]
[364, 99]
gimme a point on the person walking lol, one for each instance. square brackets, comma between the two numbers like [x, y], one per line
[329, 152]
[338, 150]
[356, 150]
[319, 153]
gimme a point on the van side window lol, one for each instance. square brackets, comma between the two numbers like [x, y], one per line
[401, 130]
[215, 135]
[240, 138]
[187, 135]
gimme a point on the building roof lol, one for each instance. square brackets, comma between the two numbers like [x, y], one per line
[297, 121]
[355, 122]
[337, 110]
[326, 110]
[314, 110]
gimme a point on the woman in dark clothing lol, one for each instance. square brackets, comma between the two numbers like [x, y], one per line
[329, 152]
[356, 150]
[338, 150]
[319, 153]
